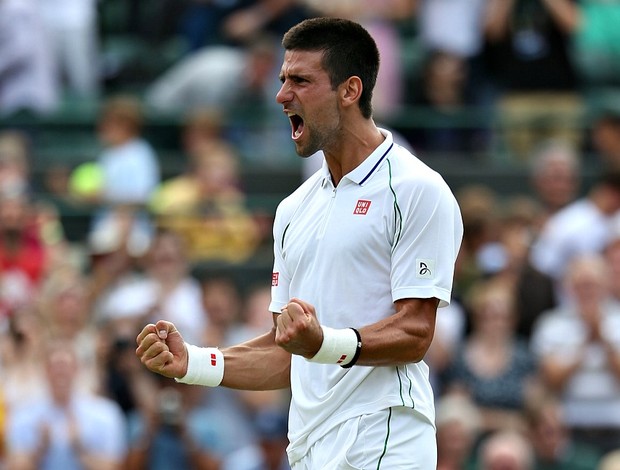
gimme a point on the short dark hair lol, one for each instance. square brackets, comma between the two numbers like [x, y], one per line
[348, 50]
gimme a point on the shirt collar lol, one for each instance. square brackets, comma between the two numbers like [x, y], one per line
[365, 170]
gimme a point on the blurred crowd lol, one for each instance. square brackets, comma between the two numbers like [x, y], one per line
[525, 361]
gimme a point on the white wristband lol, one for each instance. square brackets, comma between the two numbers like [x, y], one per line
[339, 346]
[205, 366]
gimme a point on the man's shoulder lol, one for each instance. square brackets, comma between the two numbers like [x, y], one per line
[406, 167]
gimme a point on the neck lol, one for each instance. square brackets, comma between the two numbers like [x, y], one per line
[493, 340]
[357, 143]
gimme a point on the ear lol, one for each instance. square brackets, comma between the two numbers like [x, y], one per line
[350, 91]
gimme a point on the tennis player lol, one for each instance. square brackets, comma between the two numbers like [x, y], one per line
[364, 254]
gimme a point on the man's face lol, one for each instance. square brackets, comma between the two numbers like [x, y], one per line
[557, 184]
[309, 100]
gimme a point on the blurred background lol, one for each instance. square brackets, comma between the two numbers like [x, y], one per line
[142, 156]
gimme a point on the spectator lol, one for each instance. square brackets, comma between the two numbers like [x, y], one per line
[498, 236]
[458, 424]
[612, 255]
[21, 349]
[176, 431]
[453, 130]
[450, 329]
[66, 318]
[221, 297]
[509, 258]
[224, 303]
[68, 429]
[579, 228]
[23, 257]
[594, 39]
[166, 289]
[129, 163]
[208, 208]
[72, 27]
[578, 348]
[129, 172]
[238, 79]
[122, 378]
[527, 52]
[506, 450]
[14, 162]
[202, 129]
[555, 175]
[554, 448]
[27, 68]
[256, 126]
[114, 252]
[269, 452]
[206, 78]
[232, 22]
[453, 27]
[479, 208]
[605, 131]
[255, 318]
[15, 182]
[382, 19]
[493, 366]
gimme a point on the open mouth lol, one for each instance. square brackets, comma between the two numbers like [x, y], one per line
[297, 125]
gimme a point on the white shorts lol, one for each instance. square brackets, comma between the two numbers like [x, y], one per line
[397, 438]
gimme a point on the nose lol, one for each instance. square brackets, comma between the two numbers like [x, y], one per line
[283, 94]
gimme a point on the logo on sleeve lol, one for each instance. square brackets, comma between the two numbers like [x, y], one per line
[425, 268]
[274, 279]
[361, 208]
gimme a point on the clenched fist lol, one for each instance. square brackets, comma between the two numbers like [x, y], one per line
[298, 330]
[162, 350]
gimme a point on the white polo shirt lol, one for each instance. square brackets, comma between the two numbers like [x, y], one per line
[390, 230]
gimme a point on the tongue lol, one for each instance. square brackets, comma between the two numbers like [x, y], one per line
[298, 130]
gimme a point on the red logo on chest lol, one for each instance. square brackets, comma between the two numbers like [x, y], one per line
[274, 279]
[361, 207]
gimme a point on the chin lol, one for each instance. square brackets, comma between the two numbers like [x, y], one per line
[305, 151]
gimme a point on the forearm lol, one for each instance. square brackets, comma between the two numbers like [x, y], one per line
[555, 374]
[402, 338]
[92, 462]
[496, 18]
[385, 345]
[258, 364]
[22, 461]
[565, 13]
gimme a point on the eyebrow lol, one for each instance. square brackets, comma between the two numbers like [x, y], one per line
[294, 77]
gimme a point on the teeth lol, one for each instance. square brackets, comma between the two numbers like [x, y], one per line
[290, 114]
